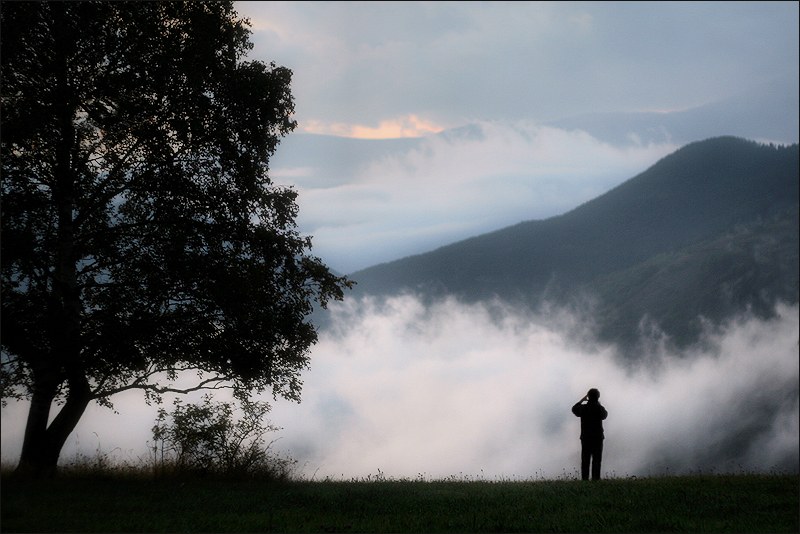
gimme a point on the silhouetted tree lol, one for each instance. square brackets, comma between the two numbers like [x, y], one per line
[141, 235]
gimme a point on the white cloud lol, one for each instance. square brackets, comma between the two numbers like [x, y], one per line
[482, 390]
[450, 187]
[450, 390]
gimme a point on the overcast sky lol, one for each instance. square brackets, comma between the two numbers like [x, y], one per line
[398, 69]
[385, 69]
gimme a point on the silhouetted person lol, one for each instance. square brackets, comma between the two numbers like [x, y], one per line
[592, 414]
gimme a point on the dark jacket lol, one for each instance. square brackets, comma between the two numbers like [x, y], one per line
[592, 415]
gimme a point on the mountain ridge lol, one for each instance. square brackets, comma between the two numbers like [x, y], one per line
[694, 195]
[769, 111]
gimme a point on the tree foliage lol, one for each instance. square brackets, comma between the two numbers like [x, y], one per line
[141, 234]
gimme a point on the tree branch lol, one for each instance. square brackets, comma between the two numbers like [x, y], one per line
[203, 385]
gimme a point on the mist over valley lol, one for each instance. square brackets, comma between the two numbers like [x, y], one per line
[674, 293]
[707, 232]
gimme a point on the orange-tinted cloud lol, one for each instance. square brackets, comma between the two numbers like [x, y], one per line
[409, 126]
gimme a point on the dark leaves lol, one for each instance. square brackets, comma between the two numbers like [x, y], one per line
[183, 253]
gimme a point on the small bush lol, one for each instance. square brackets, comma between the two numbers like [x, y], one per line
[204, 439]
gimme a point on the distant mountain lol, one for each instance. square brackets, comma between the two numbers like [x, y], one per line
[707, 231]
[769, 112]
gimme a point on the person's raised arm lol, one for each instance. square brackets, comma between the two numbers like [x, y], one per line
[578, 407]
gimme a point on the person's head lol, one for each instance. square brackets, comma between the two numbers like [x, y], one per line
[593, 395]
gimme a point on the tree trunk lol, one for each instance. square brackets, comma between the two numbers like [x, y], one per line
[42, 444]
[33, 444]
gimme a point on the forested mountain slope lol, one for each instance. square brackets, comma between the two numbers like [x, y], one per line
[719, 215]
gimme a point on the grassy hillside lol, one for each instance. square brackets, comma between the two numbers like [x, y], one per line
[708, 503]
[686, 205]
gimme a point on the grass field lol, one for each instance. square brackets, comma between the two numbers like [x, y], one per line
[141, 502]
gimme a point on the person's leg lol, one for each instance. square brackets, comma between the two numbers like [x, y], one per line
[597, 453]
[586, 454]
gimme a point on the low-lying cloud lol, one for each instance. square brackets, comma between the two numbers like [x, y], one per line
[475, 390]
[452, 388]
[445, 188]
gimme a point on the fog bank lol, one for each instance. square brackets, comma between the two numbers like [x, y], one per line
[458, 389]
[476, 390]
